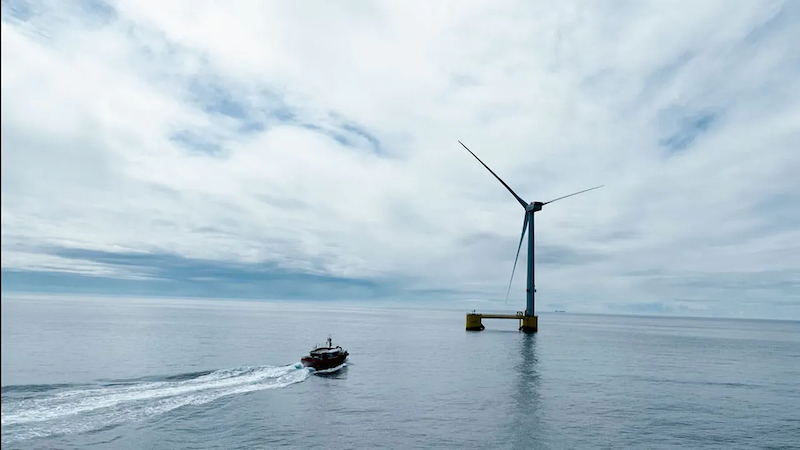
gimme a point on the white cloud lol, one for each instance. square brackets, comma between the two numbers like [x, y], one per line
[554, 96]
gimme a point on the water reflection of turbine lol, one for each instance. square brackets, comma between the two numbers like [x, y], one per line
[527, 428]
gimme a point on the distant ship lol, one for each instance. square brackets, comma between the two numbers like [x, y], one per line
[322, 358]
[560, 311]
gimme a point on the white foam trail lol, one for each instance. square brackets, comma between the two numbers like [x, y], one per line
[83, 409]
[331, 370]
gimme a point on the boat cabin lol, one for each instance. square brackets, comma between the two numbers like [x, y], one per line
[326, 353]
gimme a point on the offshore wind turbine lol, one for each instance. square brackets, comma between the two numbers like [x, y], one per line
[527, 224]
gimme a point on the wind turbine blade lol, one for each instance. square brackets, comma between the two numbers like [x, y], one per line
[576, 193]
[521, 238]
[520, 200]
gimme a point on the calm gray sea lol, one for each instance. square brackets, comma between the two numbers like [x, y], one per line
[180, 374]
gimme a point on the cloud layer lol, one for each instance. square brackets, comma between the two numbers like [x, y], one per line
[310, 149]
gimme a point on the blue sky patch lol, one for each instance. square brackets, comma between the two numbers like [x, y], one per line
[349, 135]
[96, 11]
[256, 112]
[17, 10]
[196, 143]
[688, 130]
[355, 133]
[214, 97]
[782, 16]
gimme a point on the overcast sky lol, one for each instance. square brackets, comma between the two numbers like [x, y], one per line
[308, 149]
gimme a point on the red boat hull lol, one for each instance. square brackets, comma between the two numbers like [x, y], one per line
[322, 364]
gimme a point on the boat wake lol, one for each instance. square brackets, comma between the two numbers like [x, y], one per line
[331, 370]
[31, 411]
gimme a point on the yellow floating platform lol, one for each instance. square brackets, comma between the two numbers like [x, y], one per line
[528, 324]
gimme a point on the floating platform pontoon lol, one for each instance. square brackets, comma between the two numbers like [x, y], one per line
[526, 323]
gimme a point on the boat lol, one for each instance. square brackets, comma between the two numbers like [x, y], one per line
[328, 357]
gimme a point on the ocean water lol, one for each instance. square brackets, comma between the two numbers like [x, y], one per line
[198, 374]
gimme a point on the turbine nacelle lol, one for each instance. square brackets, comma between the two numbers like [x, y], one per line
[534, 206]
